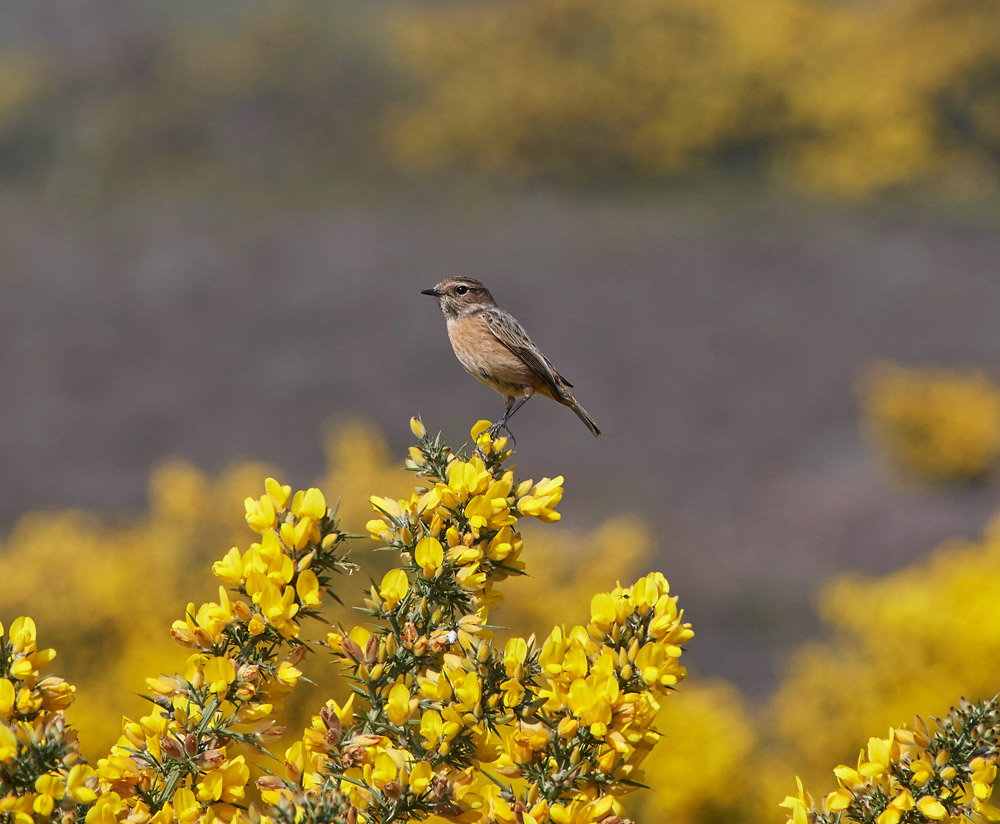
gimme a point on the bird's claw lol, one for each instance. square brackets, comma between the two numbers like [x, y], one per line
[501, 426]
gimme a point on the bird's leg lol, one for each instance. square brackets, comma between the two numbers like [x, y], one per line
[502, 423]
[512, 407]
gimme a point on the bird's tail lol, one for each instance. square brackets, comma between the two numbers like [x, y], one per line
[581, 413]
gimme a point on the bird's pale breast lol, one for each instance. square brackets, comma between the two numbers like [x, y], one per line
[485, 358]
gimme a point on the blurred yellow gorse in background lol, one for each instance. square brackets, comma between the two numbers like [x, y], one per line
[844, 99]
[935, 425]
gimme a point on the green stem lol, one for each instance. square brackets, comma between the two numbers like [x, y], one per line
[178, 771]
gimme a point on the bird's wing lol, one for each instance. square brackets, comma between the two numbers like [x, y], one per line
[511, 334]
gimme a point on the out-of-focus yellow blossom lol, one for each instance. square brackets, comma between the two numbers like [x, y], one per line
[933, 424]
[831, 98]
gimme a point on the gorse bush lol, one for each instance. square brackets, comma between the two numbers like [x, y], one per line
[943, 772]
[907, 643]
[441, 721]
[849, 99]
[426, 708]
[934, 425]
[109, 643]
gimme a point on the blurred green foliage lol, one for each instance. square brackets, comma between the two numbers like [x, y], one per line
[848, 99]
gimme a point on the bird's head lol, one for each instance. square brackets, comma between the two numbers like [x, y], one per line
[458, 296]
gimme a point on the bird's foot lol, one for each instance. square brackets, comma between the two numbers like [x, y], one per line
[501, 426]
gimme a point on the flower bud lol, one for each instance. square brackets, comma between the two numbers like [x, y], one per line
[210, 759]
[171, 746]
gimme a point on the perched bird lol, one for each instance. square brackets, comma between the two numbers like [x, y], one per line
[493, 347]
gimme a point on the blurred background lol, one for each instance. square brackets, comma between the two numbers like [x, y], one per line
[760, 239]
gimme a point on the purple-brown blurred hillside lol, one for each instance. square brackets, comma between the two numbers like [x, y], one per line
[216, 221]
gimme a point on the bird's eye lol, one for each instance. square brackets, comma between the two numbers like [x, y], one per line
[461, 290]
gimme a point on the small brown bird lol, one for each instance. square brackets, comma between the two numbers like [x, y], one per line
[493, 347]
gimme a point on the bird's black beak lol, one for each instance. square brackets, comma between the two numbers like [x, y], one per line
[434, 293]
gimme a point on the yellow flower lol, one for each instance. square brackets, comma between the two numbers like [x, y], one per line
[186, 806]
[230, 568]
[398, 704]
[105, 809]
[420, 777]
[838, 800]
[287, 674]
[480, 427]
[394, 587]
[417, 428]
[513, 692]
[261, 514]
[543, 497]
[378, 529]
[878, 758]
[344, 713]
[300, 534]
[7, 698]
[50, 788]
[76, 784]
[799, 804]
[930, 806]
[226, 784]
[428, 555]
[279, 608]
[307, 587]
[514, 655]
[438, 729]
[922, 769]
[465, 479]
[22, 635]
[431, 728]
[309, 504]
[469, 692]
[278, 493]
[890, 815]
[984, 774]
[8, 744]
[602, 611]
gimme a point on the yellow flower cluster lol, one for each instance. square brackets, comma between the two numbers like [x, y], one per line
[444, 711]
[945, 773]
[933, 424]
[447, 724]
[42, 776]
[187, 759]
[163, 553]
